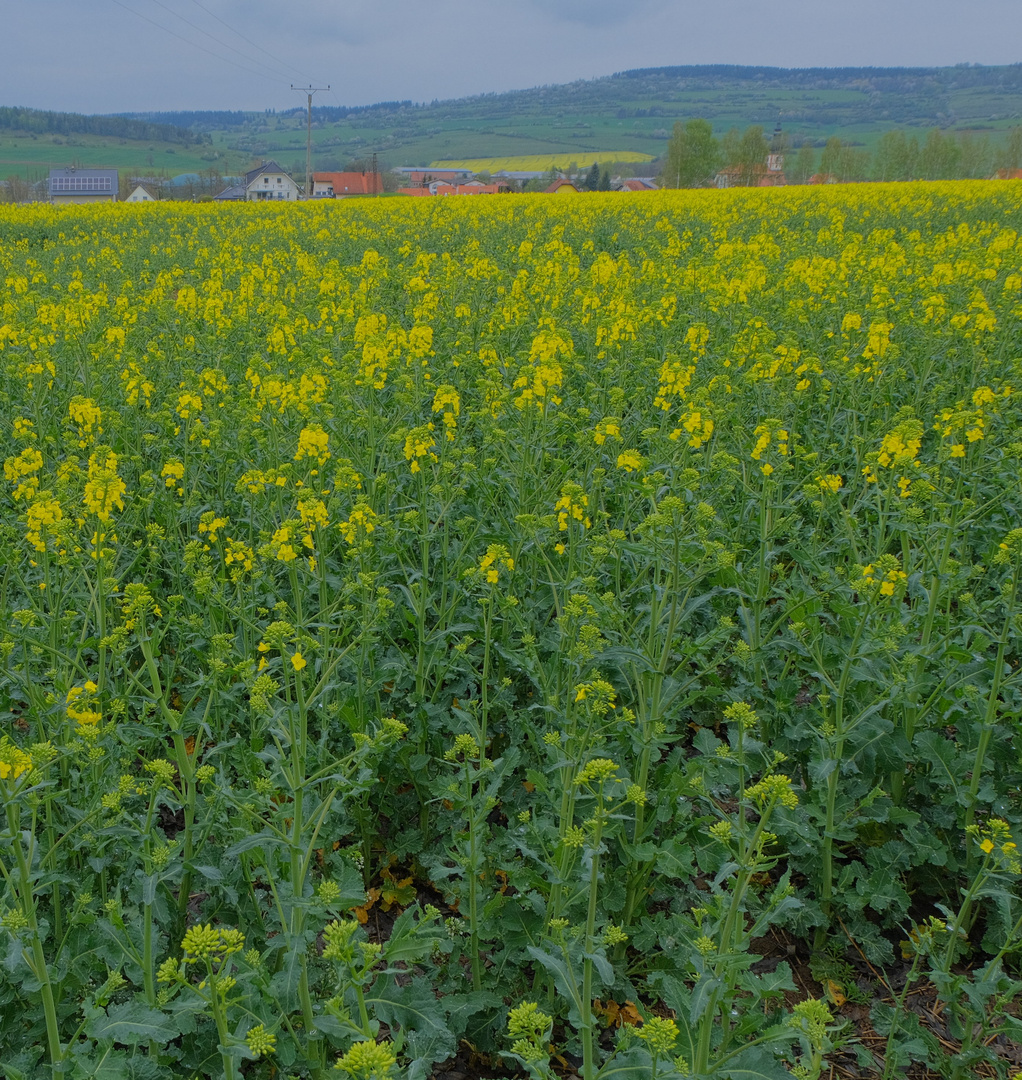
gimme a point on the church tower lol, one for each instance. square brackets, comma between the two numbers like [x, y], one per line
[775, 158]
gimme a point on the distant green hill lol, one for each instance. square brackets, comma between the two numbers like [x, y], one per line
[43, 122]
[631, 111]
[34, 140]
[635, 111]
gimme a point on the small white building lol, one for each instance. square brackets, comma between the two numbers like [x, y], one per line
[270, 182]
[141, 193]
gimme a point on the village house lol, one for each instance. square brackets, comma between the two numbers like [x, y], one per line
[344, 185]
[440, 187]
[269, 181]
[638, 183]
[473, 187]
[418, 177]
[81, 186]
[142, 193]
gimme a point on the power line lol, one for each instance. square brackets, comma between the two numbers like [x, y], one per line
[255, 45]
[309, 90]
[193, 44]
[213, 37]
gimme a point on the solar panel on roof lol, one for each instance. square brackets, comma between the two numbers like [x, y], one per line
[86, 184]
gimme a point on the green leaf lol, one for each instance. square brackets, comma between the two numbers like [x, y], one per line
[942, 755]
[130, 1023]
[883, 890]
[411, 938]
[702, 995]
[564, 980]
[253, 840]
[631, 1064]
[144, 1068]
[349, 881]
[420, 1016]
[284, 984]
[754, 1063]
[769, 984]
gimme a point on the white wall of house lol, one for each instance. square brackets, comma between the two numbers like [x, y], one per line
[272, 187]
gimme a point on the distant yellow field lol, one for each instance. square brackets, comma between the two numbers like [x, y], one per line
[542, 162]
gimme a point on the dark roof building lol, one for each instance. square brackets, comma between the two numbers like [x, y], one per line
[71, 185]
[234, 193]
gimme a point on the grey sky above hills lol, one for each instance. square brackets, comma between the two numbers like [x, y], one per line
[134, 55]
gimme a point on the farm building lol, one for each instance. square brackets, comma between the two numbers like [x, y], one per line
[440, 187]
[421, 177]
[72, 185]
[343, 185]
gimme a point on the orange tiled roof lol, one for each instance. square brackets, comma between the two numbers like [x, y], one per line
[350, 183]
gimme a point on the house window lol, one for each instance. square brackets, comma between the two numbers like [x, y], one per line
[279, 180]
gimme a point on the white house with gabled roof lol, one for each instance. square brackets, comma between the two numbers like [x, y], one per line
[142, 193]
[270, 182]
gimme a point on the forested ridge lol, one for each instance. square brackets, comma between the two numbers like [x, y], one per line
[43, 122]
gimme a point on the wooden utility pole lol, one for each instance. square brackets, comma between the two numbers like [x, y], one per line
[309, 91]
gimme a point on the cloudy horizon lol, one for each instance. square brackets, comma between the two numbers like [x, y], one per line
[168, 55]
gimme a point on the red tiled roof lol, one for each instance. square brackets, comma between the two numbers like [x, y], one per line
[350, 183]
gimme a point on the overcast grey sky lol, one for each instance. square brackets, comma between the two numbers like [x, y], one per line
[123, 55]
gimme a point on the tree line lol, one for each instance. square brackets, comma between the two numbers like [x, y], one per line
[43, 122]
[695, 156]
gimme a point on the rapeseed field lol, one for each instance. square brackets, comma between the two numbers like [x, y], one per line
[484, 626]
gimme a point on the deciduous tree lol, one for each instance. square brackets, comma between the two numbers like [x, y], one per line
[804, 165]
[830, 159]
[693, 155]
[1010, 156]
